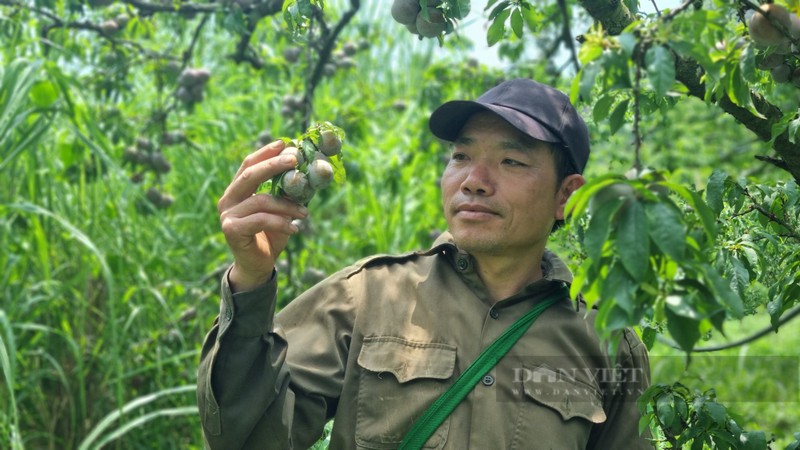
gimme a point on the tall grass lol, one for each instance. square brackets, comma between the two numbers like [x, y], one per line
[104, 299]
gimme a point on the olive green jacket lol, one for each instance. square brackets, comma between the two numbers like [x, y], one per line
[376, 343]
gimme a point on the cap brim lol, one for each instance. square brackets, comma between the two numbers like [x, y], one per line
[447, 120]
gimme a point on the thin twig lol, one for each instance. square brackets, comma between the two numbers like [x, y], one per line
[789, 315]
[325, 54]
[655, 6]
[771, 216]
[674, 12]
[566, 34]
[637, 92]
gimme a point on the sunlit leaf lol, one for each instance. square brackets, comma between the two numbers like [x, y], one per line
[617, 118]
[497, 29]
[715, 190]
[660, 66]
[516, 23]
[666, 229]
[619, 288]
[684, 330]
[632, 240]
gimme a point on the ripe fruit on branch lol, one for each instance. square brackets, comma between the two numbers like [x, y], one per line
[292, 54]
[761, 27]
[782, 73]
[770, 61]
[320, 174]
[319, 163]
[405, 11]
[191, 83]
[329, 143]
[434, 25]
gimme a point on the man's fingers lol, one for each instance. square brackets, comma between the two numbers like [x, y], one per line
[262, 154]
[253, 224]
[263, 203]
[247, 182]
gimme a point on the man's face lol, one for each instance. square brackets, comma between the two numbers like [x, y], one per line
[499, 189]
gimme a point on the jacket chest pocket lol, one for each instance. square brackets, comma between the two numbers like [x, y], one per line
[558, 404]
[398, 381]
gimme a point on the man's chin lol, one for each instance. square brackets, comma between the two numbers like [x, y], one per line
[473, 244]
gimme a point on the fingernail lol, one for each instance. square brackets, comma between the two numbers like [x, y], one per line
[288, 159]
[293, 225]
[302, 209]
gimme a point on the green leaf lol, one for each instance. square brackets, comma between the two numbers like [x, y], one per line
[747, 64]
[633, 244]
[703, 211]
[716, 412]
[502, 7]
[665, 409]
[649, 337]
[618, 116]
[489, 4]
[589, 73]
[666, 229]
[627, 41]
[715, 190]
[739, 276]
[685, 331]
[660, 67]
[602, 107]
[775, 310]
[516, 23]
[753, 440]
[599, 225]
[459, 9]
[644, 422]
[619, 288]
[497, 29]
[723, 291]
[612, 317]
[44, 94]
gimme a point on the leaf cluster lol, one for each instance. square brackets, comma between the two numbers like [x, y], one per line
[695, 420]
[647, 243]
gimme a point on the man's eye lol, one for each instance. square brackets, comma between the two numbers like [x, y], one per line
[458, 157]
[513, 162]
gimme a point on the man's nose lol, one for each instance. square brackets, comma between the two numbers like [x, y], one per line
[478, 181]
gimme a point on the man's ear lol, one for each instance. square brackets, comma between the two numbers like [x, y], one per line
[569, 185]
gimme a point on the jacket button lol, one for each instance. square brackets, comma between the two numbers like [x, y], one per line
[488, 380]
[493, 313]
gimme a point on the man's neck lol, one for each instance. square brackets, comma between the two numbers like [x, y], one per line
[505, 276]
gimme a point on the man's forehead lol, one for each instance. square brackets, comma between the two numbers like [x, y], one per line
[507, 135]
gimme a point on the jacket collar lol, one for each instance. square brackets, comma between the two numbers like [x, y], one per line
[553, 268]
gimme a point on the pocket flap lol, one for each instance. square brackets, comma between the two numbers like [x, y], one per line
[570, 397]
[407, 360]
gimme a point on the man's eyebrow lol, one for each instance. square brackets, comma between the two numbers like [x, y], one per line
[464, 140]
[516, 144]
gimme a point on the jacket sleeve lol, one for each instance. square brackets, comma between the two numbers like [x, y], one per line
[247, 391]
[621, 428]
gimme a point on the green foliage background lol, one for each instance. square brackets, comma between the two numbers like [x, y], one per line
[105, 298]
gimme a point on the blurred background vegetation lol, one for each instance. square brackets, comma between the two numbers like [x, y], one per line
[110, 267]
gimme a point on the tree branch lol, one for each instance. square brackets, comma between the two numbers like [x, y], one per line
[614, 17]
[325, 53]
[789, 315]
[566, 34]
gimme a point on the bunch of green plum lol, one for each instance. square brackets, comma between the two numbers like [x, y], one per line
[319, 163]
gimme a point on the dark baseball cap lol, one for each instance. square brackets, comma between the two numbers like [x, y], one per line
[535, 109]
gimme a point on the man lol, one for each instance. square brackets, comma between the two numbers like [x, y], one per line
[375, 344]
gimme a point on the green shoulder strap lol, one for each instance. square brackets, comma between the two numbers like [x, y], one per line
[447, 402]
